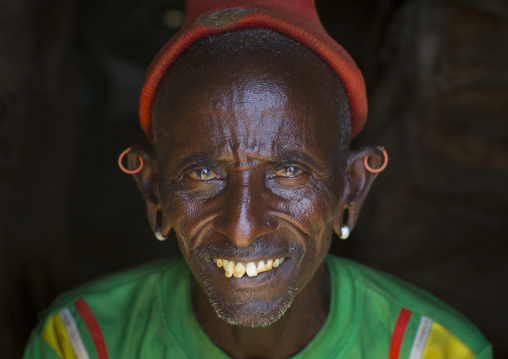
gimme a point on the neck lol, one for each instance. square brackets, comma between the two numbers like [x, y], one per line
[284, 338]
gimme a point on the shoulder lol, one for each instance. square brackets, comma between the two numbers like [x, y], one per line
[87, 317]
[423, 319]
[109, 286]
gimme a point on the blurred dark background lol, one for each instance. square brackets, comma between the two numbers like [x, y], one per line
[437, 74]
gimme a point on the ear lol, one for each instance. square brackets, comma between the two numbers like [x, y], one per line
[357, 185]
[147, 180]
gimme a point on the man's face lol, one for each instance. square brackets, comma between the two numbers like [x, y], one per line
[249, 171]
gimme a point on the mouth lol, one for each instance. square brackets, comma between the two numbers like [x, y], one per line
[252, 269]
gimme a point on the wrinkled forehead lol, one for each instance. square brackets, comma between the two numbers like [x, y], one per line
[282, 97]
[246, 115]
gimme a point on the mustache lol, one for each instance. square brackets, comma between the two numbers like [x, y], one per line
[259, 248]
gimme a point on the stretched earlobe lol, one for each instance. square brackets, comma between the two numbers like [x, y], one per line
[360, 176]
[141, 165]
[143, 169]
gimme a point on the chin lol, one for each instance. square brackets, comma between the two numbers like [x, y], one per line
[254, 314]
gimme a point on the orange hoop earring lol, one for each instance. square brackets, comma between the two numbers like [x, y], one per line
[124, 169]
[383, 166]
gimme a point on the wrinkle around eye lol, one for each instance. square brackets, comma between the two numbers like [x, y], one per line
[191, 183]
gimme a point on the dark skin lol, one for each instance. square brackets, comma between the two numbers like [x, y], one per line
[247, 168]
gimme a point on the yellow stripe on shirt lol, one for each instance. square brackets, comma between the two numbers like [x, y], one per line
[442, 344]
[55, 335]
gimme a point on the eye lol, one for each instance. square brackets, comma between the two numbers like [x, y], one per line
[204, 174]
[289, 172]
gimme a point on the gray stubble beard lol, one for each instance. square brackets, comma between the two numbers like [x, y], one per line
[263, 319]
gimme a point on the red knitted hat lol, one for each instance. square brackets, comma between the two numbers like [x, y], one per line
[296, 19]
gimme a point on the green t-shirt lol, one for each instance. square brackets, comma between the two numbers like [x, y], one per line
[146, 312]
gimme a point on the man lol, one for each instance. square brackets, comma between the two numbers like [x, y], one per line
[251, 168]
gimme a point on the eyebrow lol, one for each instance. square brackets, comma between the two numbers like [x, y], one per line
[200, 157]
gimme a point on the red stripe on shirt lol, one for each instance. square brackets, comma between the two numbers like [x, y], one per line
[398, 333]
[93, 327]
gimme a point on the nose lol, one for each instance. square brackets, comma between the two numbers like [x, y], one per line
[245, 213]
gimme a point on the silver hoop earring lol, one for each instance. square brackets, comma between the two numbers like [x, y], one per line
[159, 235]
[344, 232]
[158, 230]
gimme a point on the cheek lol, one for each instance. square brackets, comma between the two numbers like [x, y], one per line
[185, 215]
[311, 207]
[180, 211]
[190, 217]
[313, 210]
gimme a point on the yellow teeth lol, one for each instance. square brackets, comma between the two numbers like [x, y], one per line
[231, 268]
[269, 264]
[261, 266]
[251, 269]
[239, 270]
